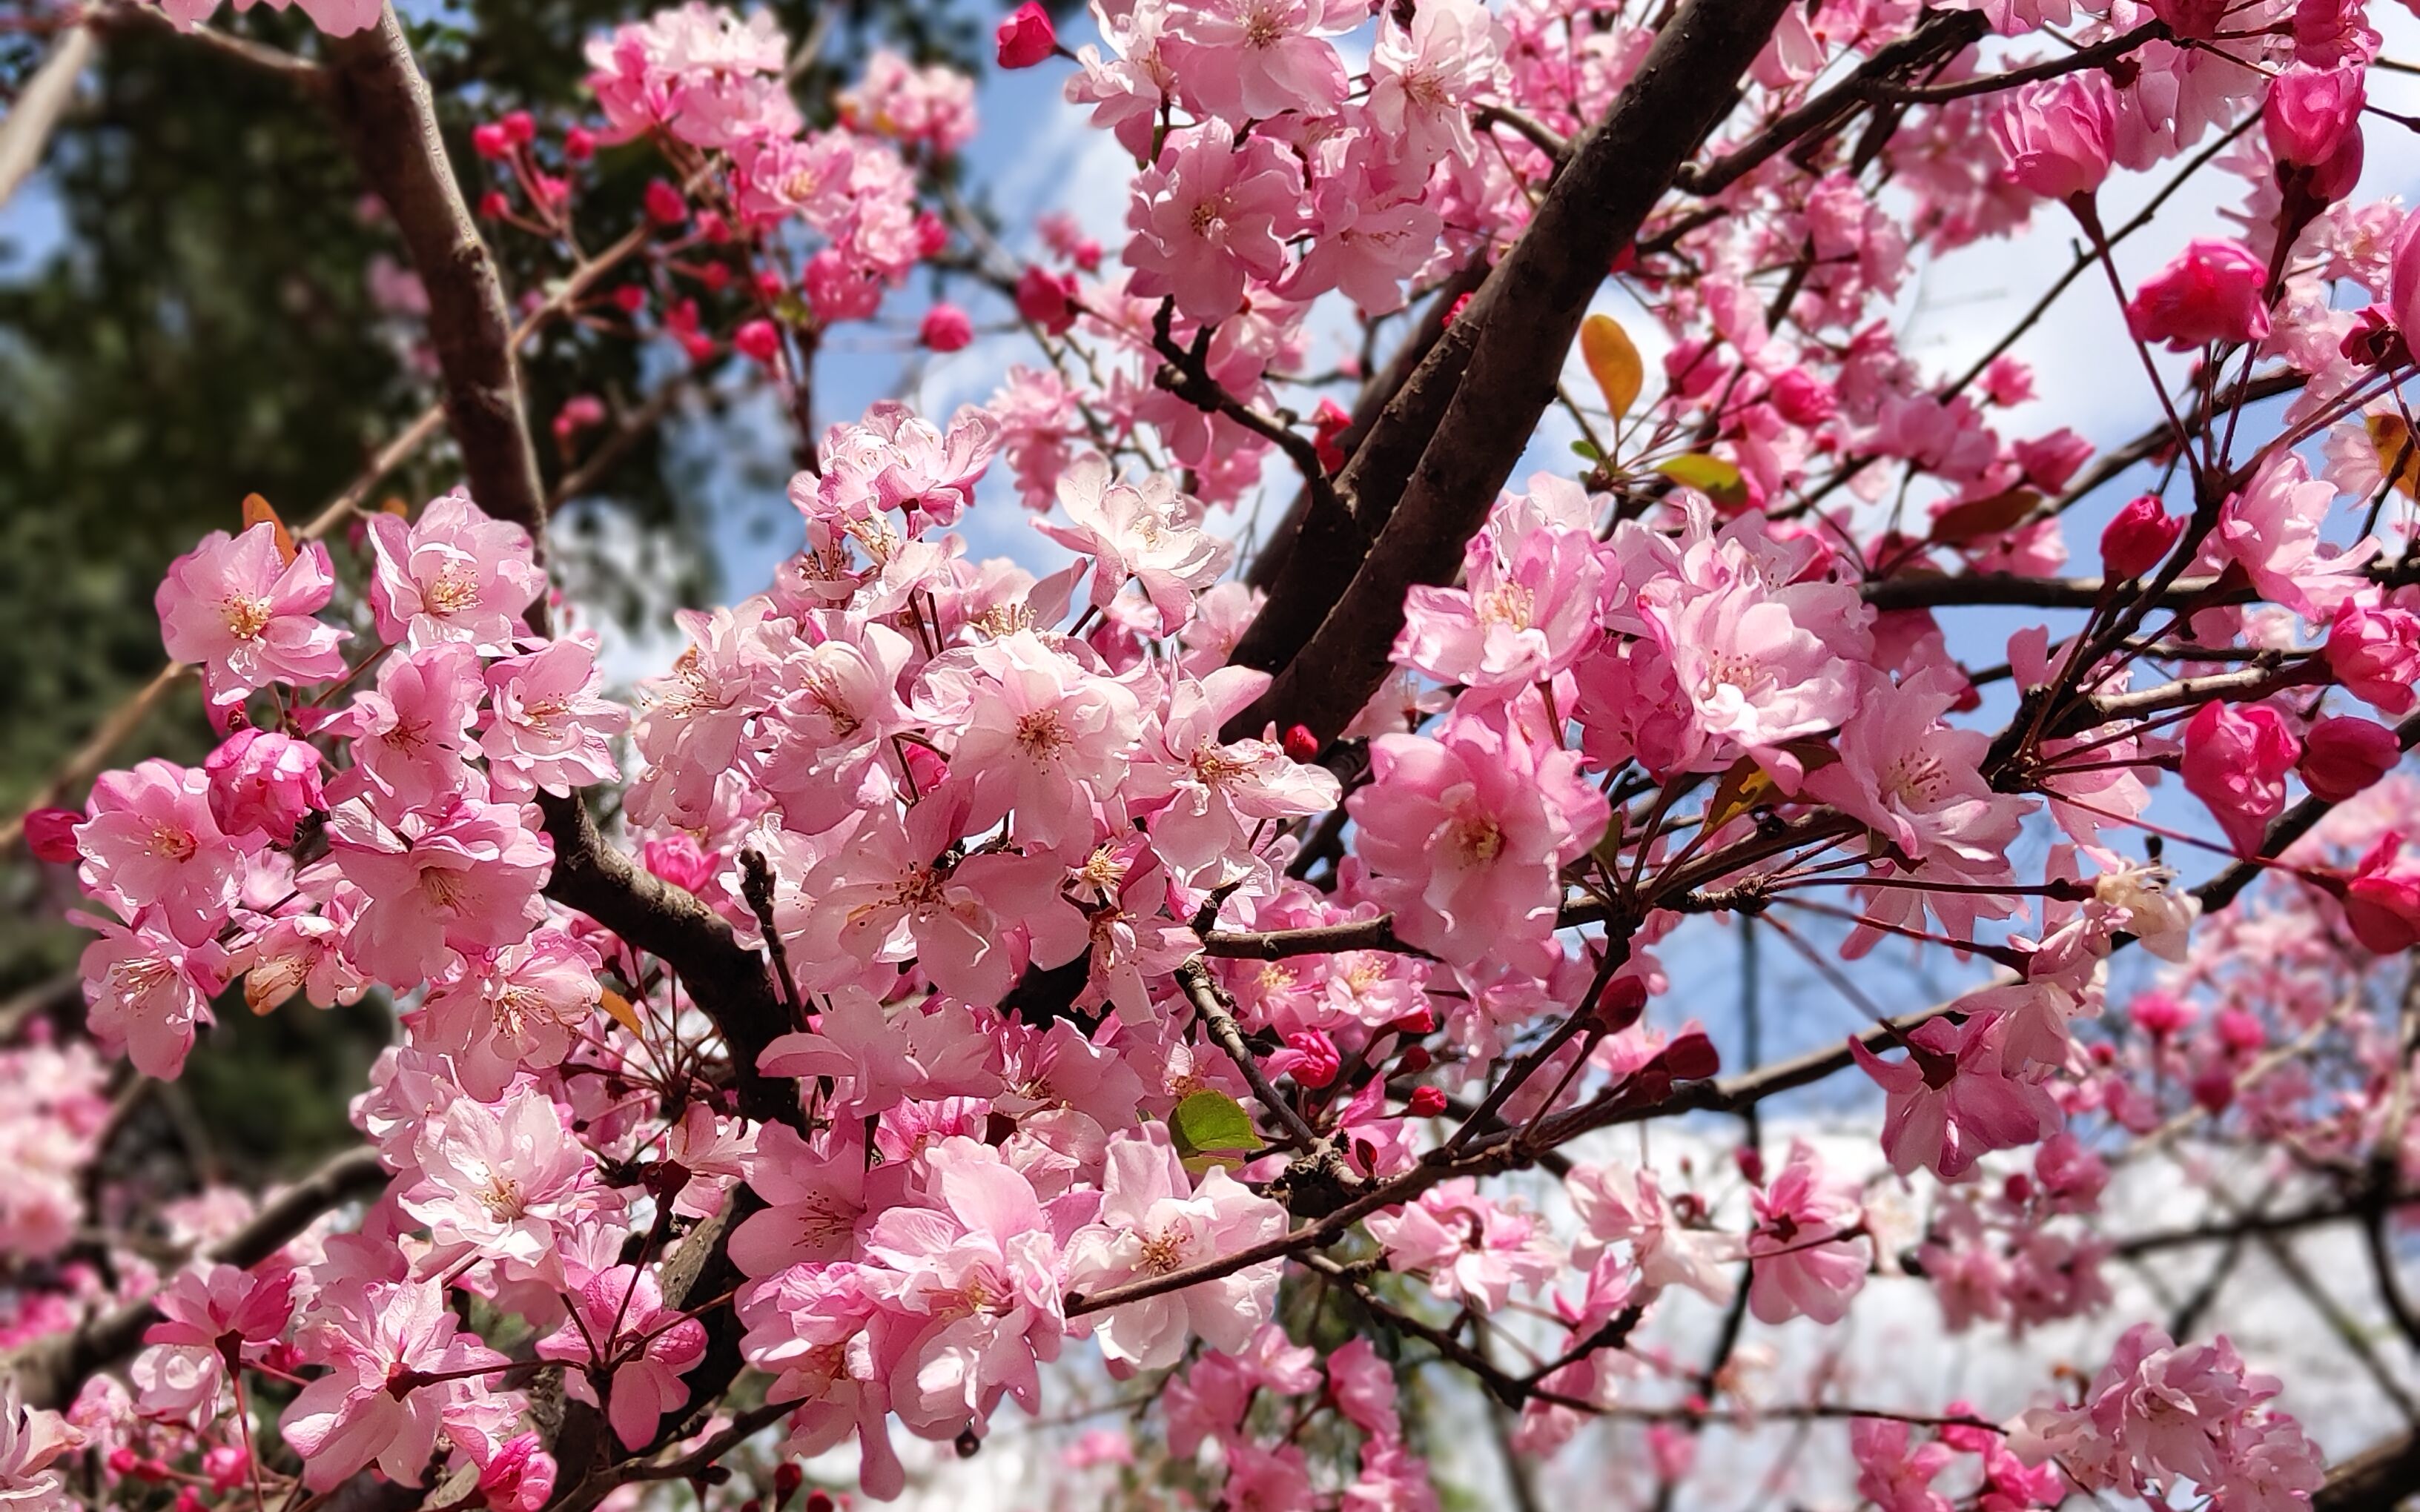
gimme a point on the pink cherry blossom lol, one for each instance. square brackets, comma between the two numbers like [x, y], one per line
[1155, 1220]
[1474, 1249]
[2236, 760]
[2055, 135]
[1465, 834]
[248, 616]
[152, 847]
[1952, 1100]
[375, 1337]
[466, 880]
[501, 1180]
[264, 782]
[1213, 212]
[2210, 293]
[622, 1337]
[548, 729]
[452, 576]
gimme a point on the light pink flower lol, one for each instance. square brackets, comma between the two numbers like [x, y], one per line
[31, 1441]
[548, 727]
[2055, 135]
[502, 1181]
[1475, 1250]
[1203, 797]
[153, 845]
[1041, 737]
[1424, 78]
[147, 994]
[2272, 529]
[1621, 1203]
[1919, 782]
[620, 1329]
[1149, 534]
[1466, 836]
[466, 880]
[411, 732]
[522, 1006]
[377, 1336]
[1211, 214]
[1527, 611]
[1802, 1263]
[248, 617]
[1155, 1220]
[1897, 1478]
[1952, 1101]
[1247, 59]
[453, 576]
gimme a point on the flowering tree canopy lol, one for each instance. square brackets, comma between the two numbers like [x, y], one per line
[1204, 977]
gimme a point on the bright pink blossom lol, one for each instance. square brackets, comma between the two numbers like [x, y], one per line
[622, 1337]
[1154, 1220]
[153, 847]
[1208, 214]
[248, 616]
[2055, 136]
[2213, 292]
[1953, 1099]
[2236, 760]
[454, 576]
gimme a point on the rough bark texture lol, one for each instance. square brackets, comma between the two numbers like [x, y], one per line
[1475, 400]
[382, 102]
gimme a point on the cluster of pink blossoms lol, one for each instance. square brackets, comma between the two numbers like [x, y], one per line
[1038, 920]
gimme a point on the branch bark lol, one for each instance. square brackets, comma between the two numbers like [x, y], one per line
[48, 1372]
[1510, 346]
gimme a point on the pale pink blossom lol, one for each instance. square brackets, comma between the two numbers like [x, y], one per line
[248, 616]
[547, 727]
[153, 848]
[1803, 1259]
[523, 1006]
[622, 1337]
[452, 576]
[377, 1336]
[465, 880]
[502, 1181]
[1474, 1250]
[148, 994]
[1153, 1220]
[1149, 535]
[1953, 1101]
[1210, 214]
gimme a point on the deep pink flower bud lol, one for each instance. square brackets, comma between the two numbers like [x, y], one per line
[50, 834]
[946, 329]
[2137, 537]
[2344, 754]
[579, 144]
[759, 339]
[713, 226]
[1311, 1056]
[2374, 650]
[715, 276]
[490, 140]
[2212, 292]
[1046, 299]
[520, 127]
[787, 1477]
[665, 206]
[2313, 120]
[1329, 425]
[630, 297]
[2240, 1032]
[1802, 398]
[1414, 1062]
[264, 782]
[2055, 136]
[518, 1476]
[1300, 743]
[1424, 1102]
[932, 234]
[493, 206]
[1026, 38]
[578, 413]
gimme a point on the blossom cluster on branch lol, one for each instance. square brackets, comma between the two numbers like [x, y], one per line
[1093, 996]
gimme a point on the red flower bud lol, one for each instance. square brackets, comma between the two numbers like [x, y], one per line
[579, 144]
[946, 329]
[520, 127]
[630, 297]
[491, 140]
[2343, 755]
[1424, 1102]
[1414, 1060]
[665, 206]
[50, 834]
[493, 206]
[2137, 537]
[1026, 38]
[1301, 743]
[758, 339]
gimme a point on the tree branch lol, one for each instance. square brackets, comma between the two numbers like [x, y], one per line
[1521, 325]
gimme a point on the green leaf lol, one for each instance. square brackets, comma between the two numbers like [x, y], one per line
[1209, 1124]
[1710, 475]
[1584, 450]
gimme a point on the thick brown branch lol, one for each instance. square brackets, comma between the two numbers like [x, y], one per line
[382, 102]
[1520, 327]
